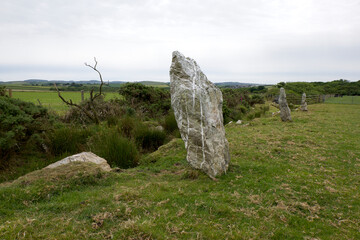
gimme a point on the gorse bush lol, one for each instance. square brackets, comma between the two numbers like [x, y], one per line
[117, 150]
[103, 109]
[146, 101]
[19, 120]
[236, 104]
[2, 91]
[256, 99]
[67, 139]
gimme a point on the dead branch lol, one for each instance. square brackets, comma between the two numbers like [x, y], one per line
[93, 97]
[70, 103]
[94, 116]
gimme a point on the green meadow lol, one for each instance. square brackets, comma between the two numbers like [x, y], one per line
[51, 100]
[344, 100]
[297, 180]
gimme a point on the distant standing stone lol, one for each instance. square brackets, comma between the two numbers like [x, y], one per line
[303, 106]
[197, 105]
[284, 108]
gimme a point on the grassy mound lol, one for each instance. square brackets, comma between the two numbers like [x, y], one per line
[298, 180]
[54, 175]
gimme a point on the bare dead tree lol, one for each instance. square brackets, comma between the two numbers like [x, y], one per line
[92, 114]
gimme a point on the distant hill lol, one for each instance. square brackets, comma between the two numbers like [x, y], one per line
[236, 84]
[118, 83]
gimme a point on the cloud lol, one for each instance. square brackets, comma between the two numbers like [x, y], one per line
[258, 41]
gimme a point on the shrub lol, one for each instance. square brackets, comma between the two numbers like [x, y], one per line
[67, 139]
[170, 124]
[236, 104]
[104, 110]
[117, 150]
[264, 109]
[250, 116]
[149, 139]
[226, 113]
[2, 91]
[19, 120]
[258, 114]
[127, 125]
[112, 121]
[130, 112]
[256, 99]
[147, 101]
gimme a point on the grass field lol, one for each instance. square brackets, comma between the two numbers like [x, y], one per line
[344, 100]
[24, 86]
[298, 180]
[51, 100]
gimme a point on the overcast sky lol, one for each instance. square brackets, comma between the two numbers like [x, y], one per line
[258, 41]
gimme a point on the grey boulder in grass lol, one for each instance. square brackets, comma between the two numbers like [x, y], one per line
[285, 114]
[197, 105]
[83, 157]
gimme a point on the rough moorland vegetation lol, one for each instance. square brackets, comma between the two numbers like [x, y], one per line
[21, 127]
[295, 180]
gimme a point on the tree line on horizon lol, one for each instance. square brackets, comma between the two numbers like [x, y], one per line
[337, 87]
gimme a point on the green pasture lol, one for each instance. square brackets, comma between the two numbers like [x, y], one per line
[51, 100]
[344, 100]
[28, 87]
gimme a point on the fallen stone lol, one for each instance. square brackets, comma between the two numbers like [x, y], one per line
[83, 157]
[197, 105]
[239, 122]
[303, 106]
[285, 113]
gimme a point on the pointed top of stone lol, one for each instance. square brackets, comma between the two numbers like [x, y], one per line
[183, 66]
[177, 53]
[282, 92]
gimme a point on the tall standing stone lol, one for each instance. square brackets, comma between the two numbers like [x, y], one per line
[303, 106]
[285, 114]
[197, 105]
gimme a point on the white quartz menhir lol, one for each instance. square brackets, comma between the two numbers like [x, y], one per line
[197, 105]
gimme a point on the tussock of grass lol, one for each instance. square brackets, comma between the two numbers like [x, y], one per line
[298, 180]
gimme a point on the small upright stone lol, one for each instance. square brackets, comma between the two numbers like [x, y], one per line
[284, 108]
[197, 105]
[303, 106]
